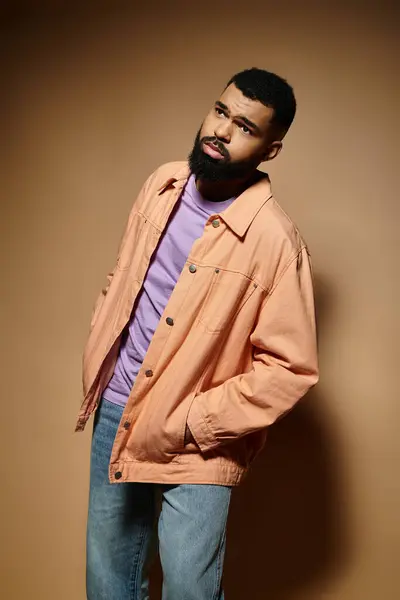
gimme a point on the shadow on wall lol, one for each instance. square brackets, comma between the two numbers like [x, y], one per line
[287, 530]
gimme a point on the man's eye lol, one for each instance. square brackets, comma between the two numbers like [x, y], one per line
[220, 112]
[245, 129]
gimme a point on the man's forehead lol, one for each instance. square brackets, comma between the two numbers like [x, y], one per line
[239, 104]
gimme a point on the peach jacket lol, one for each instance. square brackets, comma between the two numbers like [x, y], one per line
[234, 351]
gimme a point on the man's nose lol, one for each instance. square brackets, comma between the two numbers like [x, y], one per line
[223, 131]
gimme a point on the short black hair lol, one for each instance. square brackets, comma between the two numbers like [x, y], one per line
[272, 91]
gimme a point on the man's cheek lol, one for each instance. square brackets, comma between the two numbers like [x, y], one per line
[206, 129]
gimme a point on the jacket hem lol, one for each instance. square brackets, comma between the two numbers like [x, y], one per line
[176, 472]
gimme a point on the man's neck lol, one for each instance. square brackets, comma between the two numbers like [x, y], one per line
[218, 191]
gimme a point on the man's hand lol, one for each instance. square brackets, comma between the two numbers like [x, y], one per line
[189, 439]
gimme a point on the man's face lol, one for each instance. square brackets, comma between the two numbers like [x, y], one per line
[235, 137]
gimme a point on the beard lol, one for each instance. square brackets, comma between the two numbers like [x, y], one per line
[212, 169]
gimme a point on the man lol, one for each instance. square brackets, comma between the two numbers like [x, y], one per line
[204, 336]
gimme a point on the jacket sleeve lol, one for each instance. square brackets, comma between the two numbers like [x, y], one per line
[285, 365]
[138, 202]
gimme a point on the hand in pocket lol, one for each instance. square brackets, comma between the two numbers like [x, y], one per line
[189, 439]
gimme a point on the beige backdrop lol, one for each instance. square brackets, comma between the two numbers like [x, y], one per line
[93, 101]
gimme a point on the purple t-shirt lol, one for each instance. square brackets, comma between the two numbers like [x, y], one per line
[186, 225]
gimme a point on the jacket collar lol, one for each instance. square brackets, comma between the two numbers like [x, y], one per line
[242, 212]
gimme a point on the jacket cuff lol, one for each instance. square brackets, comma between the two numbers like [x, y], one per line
[201, 432]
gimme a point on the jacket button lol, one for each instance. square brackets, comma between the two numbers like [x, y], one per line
[169, 321]
[193, 268]
[118, 475]
[126, 425]
[149, 373]
[216, 223]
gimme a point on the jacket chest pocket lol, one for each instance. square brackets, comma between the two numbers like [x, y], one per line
[226, 297]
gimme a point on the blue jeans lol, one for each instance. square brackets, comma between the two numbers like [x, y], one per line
[122, 530]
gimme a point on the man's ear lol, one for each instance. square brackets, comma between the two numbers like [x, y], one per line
[272, 151]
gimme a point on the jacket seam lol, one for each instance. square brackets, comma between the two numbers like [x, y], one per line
[285, 270]
[147, 218]
[223, 465]
[225, 270]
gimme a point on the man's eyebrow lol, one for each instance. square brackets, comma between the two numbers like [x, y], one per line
[249, 123]
[221, 105]
[245, 120]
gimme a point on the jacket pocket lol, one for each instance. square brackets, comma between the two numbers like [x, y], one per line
[165, 435]
[228, 293]
[181, 447]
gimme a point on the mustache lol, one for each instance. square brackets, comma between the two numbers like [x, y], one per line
[217, 144]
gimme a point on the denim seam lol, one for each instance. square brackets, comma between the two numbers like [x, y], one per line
[217, 589]
[134, 576]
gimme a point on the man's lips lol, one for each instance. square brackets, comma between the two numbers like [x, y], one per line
[212, 150]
